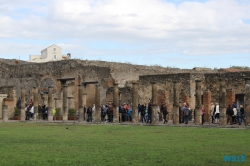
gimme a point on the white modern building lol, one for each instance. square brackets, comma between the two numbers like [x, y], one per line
[51, 53]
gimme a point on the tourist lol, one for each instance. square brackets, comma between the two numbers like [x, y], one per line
[143, 112]
[212, 112]
[130, 114]
[242, 113]
[217, 113]
[229, 114]
[18, 104]
[185, 111]
[27, 112]
[103, 112]
[31, 111]
[89, 113]
[45, 112]
[84, 112]
[146, 113]
[110, 113]
[164, 112]
[54, 113]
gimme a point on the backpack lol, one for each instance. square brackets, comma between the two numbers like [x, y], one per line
[186, 111]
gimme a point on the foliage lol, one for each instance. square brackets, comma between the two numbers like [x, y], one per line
[72, 112]
[240, 67]
[70, 144]
[17, 111]
[58, 111]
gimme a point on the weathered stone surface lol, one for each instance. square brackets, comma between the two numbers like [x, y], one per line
[198, 105]
[135, 103]
[176, 103]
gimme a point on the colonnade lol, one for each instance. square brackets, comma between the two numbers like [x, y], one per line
[82, 95]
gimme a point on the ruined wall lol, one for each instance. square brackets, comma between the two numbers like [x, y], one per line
[43, 75]
[233, 80]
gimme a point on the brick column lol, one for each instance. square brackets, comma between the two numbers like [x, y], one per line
[97, 118]
[50, 101]
[135, 103]
[84, 97]
[65, 108]
[154, 103]
[116, 103]
[230, 98]
[223, 106]
[168, 101]
[23, 91]
[35, 91]
[198, 103]
[80, 106]
[176, 103]
[5, 111]
[207, 105]
[247, 100]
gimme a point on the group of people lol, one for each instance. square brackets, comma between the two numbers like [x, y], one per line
[145, 112]
[234, 115]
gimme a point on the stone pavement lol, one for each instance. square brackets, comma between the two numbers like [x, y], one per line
[170, 123]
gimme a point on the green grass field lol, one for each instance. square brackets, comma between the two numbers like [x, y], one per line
[62, 144]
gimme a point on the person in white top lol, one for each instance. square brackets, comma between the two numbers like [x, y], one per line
[217, 113]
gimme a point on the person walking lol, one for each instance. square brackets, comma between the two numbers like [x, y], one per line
[242, 114]
[89, 113]
[217, 113]
[185, 112]
[164, 113]
[212, 112]
[229, 114]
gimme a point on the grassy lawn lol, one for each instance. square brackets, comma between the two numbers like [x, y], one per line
[60, 144]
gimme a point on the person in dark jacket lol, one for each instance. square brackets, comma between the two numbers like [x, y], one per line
[242, 114]
[229, 114]
[143, 112]
[89, 113]
[150, 110]
[164, 112]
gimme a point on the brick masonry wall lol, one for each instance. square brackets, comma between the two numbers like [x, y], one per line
[230, 97]
[207, 104]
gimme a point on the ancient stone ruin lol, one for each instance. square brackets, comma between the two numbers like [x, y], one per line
[74, 83]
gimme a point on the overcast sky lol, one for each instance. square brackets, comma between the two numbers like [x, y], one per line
[169, 33]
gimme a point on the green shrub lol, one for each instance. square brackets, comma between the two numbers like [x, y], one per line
[17, 111]
[58, 111]
[72, 112]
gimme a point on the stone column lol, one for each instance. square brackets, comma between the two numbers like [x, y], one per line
[97, 118]
[70, 104]
[56, 102]
[154, 103]
[5, 112]
[116, 103]
[135, 102]
[176, 103]
[65, 104]
[2, 96]
[198, 103]
[84, 100]
[207, 105]
[35, 91]
[80, 106]
[168, 100]
[50, 101]
[223, 104]
[247, 100]
[23, 91]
